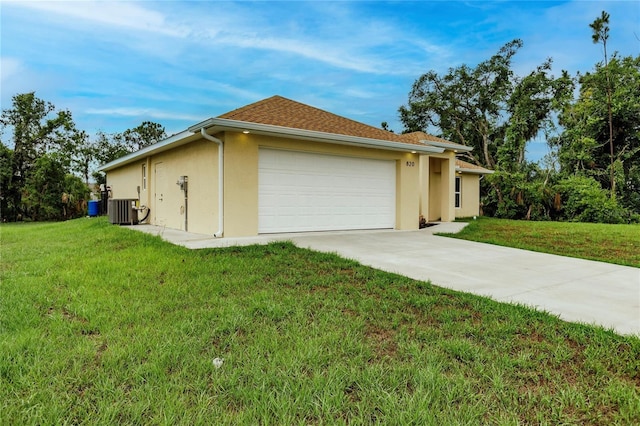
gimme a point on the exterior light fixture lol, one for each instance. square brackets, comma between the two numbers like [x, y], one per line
[413, 152]
[246, 132]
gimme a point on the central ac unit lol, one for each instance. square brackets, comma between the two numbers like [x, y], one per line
[122, 212]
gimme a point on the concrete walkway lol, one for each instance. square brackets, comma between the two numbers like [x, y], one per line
[574, 289]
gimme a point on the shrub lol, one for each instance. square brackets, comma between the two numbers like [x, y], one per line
[52, 194]
[583, 200]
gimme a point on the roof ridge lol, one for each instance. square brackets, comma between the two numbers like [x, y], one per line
[324, 111]
[429, 136]
[467, 163]
[280, 111]
[310, 113]
[359, 123]
[250, 106]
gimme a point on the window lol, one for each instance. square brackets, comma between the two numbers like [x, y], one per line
[144, 177]
[458, 191]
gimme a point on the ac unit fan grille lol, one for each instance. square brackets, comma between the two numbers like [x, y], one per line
[122, 211]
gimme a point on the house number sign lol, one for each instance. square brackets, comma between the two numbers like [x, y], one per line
[411, 163]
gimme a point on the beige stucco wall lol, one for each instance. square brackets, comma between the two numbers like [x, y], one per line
[124, 181]
[198, 160]
[241, 178]
[437, 178]
[435, 189]
[469, 195]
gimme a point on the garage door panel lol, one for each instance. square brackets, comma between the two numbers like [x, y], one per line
[316, 192]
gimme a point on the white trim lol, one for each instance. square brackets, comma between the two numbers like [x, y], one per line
[448, 145]
[458, 193]
[164, 145]
[223, 124]
[474, 171]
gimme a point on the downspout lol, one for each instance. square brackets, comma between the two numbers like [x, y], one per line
[207, 136]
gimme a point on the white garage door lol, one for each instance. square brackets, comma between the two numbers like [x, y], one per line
[314, 192]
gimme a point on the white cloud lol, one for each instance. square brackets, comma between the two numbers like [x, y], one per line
[119, 14]
[334, 34]
[337, 36]
[9, 67]
[142, 112]
[316, 51]
[209, 86]
[18, 76]
[360, 93]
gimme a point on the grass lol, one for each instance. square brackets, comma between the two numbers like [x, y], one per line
[618, 244]
[102, 325]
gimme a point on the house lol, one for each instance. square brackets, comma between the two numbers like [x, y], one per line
[282, 166]
[467, 188]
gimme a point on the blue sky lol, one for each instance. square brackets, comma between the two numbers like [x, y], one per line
[116, 64]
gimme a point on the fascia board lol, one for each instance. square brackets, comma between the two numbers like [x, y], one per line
[449, 146]
[164, 145]
[222, 124]
[474, 171]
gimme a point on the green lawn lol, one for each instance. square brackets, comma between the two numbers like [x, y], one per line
[102, 325]
[608, 243]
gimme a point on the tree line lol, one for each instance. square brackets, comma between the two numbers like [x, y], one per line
[592, 173]
[46, 172]
[590, 121]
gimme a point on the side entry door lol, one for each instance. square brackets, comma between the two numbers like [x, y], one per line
[160, 202]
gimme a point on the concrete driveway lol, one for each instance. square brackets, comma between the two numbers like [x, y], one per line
[574, 289]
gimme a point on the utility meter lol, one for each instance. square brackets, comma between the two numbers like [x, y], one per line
[182, 182]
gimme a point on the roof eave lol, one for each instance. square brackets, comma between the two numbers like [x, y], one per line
[474, 171]
[456, 147]
[222, 124]
[166, 144]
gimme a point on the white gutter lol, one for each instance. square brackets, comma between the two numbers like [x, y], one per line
[187, 136]
[474, 171]
[313, 135]
[449, 145]
[207, 136]
[171, 142]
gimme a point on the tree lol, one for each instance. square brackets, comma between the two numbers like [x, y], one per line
[110, 147]
[600, 34]
[50, 193]
[85, 155]
[74, 198]
[584, 146]
[106, 148]
[487, 106]
[144, 135]
[35, 173]
[37, 129]
[492, 110]
[6, 161]
[465, 104]
[43, 189]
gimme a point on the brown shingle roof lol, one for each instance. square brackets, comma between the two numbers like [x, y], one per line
[279, 111]
[416, 137]
[464, 165]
